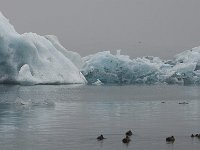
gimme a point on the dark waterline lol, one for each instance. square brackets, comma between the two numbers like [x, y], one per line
[72, 116]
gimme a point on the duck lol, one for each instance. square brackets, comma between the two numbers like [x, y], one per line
[126, 140]
[100, 138]
[129, 133]
[183, 103]
[170, 139]
[192, 135]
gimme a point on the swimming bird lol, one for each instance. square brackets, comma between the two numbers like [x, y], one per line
[170, 139]
[183, 103]
[100, 138]
[192, 135]
[129, 133]
[126, 140]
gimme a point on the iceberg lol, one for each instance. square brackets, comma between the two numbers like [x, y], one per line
[33, 59]
[120, 69]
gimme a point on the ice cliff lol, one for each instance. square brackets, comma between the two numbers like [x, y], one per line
[33, 59]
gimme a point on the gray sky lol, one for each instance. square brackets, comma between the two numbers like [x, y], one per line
[138, 27]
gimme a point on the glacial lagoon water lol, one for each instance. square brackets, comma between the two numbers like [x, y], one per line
[70, 117]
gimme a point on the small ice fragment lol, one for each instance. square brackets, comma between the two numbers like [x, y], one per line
[98, 82]
[118, 52]
[20, 101]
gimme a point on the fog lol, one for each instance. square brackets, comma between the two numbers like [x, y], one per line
[138, 27]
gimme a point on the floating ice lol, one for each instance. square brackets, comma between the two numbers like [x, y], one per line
[22, 103]
[98, 82]
[33, 59]
[19, 102]
[120, 69]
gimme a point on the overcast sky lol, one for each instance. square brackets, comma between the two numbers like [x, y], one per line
[138, 27]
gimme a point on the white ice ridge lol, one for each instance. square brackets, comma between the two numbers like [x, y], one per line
[33, 59]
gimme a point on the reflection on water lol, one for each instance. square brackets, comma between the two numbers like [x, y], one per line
[48, 117]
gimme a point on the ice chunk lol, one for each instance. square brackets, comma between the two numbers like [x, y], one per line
[22, 103]
[118, 52]
[119, 69]
[34, 59]
[98, 82]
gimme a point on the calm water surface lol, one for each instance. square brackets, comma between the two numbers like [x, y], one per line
[70, 117]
